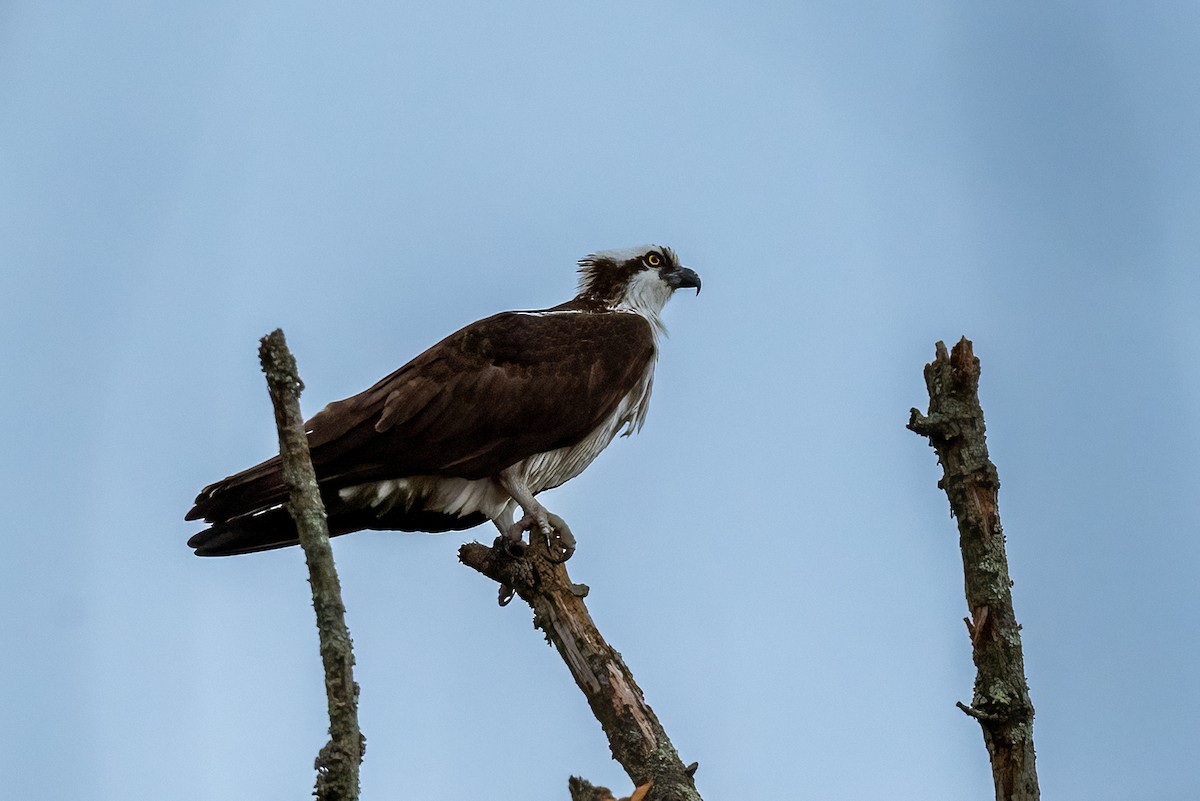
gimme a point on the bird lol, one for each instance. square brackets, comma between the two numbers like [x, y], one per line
[478, 425]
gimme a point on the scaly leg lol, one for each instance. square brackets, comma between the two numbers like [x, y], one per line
[510, 534]
[558, 535]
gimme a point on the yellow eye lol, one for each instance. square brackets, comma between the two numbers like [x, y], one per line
[653, 259]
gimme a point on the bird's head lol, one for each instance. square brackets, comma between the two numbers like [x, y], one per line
[640, 279]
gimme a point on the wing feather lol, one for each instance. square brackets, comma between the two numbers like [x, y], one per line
[494, 393]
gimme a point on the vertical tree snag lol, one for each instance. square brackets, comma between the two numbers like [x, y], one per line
[636, 737]
[337, 763]
[955, 428]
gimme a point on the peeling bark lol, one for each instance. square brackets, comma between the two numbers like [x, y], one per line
[338, 761]
[955, 429]
[636, 738]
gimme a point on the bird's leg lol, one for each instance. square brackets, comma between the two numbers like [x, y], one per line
[510, 533]
[504, 522]
[558, 535]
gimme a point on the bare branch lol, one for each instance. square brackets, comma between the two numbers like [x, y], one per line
[1001, 704]
[337, 763]
[636, 737]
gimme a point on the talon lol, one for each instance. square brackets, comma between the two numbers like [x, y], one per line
[561, 540]
[561, 554]
[506, 594]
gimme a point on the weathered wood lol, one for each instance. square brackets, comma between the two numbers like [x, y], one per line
[338, 761]
[636, 738]
[955, 429]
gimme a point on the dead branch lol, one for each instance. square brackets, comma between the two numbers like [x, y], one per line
[635, 735]
[338, 762]
[1001, 704]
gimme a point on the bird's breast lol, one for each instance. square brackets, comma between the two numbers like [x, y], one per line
[547, 470]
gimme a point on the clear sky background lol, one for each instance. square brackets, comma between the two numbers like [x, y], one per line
[771, 555]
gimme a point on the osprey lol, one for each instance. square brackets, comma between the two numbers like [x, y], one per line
[477, 425]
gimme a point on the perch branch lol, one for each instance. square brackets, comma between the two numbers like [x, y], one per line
[337, 763]
[635, 735]
[1001, 703]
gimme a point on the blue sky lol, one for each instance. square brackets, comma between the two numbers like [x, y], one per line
[771, 554]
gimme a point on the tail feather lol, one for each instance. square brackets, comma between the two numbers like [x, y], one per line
[259, 487]
[274, 528]
[262, 532]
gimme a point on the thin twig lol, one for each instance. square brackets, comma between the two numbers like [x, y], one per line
[975, 713]
[338, 762]
[1001, 704]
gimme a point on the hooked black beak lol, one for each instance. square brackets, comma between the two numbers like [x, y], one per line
[683, 277]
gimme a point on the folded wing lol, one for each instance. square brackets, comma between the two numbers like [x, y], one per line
[496, 392]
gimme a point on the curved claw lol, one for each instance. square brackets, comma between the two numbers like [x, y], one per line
[506, 594]
[561, 540]
[565, 552]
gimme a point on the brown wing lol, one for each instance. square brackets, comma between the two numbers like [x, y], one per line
[487, 396]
